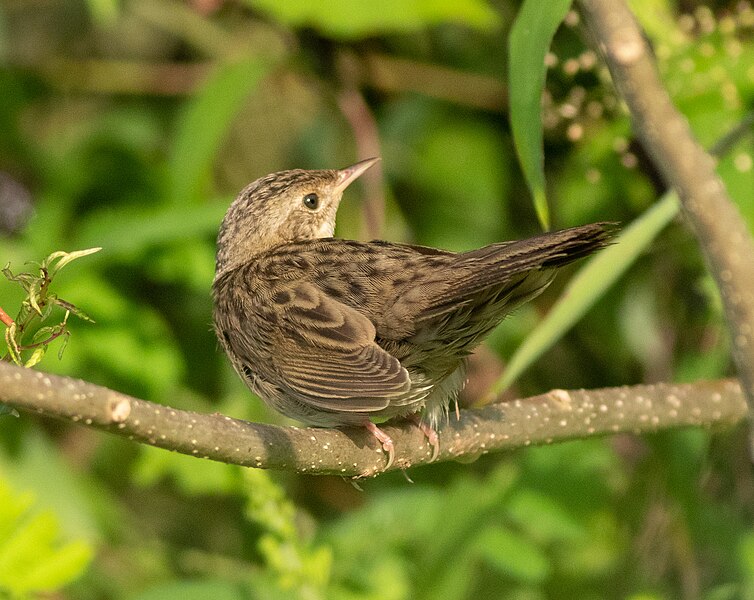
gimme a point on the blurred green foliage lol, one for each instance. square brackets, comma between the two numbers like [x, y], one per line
[343, 19]
[31, 559]
[131, 125]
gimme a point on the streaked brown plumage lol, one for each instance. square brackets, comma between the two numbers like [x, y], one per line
[334, 332]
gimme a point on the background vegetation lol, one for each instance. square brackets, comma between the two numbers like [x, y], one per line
[130, 126]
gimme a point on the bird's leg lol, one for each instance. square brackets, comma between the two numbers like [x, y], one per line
[458, 410]
[386, 441]
[429, 433]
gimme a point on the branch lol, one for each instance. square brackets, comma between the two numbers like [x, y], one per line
[665, 134]
[103, 76]
[392, 74]
[556, 416]
[381, 72]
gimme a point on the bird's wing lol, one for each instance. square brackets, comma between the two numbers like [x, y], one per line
[327, 355]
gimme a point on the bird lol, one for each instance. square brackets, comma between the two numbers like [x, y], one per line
[336, 332]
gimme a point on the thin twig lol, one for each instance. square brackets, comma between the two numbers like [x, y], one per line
[366, 135]
[44, 342]
[381, 72]
[5, 318]
[388, 73]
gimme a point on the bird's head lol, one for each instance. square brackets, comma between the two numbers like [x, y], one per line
[283, 207]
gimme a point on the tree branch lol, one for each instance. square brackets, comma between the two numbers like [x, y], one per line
[556, 416]
[687, 167]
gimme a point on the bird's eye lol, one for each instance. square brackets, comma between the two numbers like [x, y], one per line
[311, 201]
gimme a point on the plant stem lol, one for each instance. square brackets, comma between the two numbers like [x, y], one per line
[5, 318]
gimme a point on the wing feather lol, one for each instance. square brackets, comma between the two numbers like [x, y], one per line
[328, 357]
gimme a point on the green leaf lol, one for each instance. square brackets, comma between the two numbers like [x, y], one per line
[32, 559]
[460, 206]
[12, 344]
[27, 540]
[34, 289]
[64, 258]
[513, 554]
[65, 338]
[44, 332]
[296, 563]
[193, 590]
[60, 566]
[529, 41]
[206, 121]
[346, 19]
[12, 507]
[36, 356]
[24, 279]
[588, 285]
[48, 306]
[72, 309]
[543, 517]
[104, 12]
[36, 465]
[745, 552]
[191, 476]
[127, 230]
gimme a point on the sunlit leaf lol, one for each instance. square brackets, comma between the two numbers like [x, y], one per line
[191, 476]
[36, 356]
[61, 566]
[32, 557]
[104, 12]
[347, 19]
[12, 344]
[34, 289]
[528, 44]
[58, 260]
[136, 230]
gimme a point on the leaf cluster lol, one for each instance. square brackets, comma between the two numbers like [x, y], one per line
[37, 308]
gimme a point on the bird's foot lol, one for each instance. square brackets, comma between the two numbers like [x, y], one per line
[429, 433]
[384, 439]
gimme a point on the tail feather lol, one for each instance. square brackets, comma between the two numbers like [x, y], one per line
[495, 264]
[513, 264]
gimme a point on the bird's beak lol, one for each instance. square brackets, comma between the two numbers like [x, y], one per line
[348, 175]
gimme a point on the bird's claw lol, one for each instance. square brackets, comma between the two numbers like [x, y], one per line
[430, 434]
[387, 442]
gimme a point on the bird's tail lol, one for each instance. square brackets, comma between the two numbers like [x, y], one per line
[502, 276]
[496, 263]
